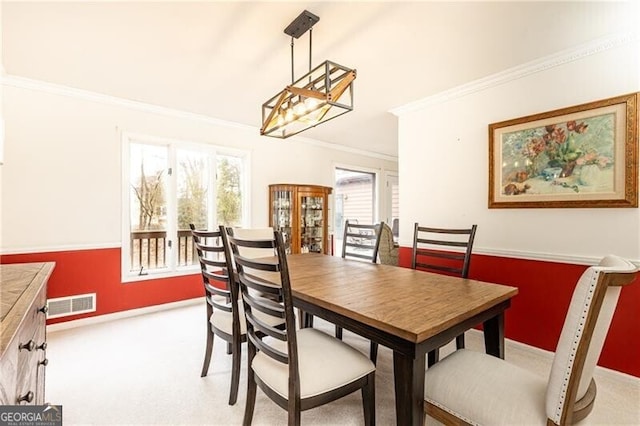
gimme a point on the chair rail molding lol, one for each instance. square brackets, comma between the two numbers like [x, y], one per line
[530, 255]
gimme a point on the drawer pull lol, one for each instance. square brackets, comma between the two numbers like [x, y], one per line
[44, 362]
[42, 347]
[44, 309]
[28, 397]
[30, 345]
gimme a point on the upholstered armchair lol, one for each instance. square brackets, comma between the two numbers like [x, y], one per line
[388, 251]
[470, 387]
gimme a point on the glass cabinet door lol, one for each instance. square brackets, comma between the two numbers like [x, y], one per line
[300, 213]
[282, 219]
[312, 235]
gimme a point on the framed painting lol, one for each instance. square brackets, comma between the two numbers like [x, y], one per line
[581, 156]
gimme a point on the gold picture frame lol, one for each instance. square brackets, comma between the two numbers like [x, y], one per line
[581, 156]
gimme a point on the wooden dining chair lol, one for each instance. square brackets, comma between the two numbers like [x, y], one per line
[361, 242]
[443, 250]
[297, 369]
[224, 318]
[470, 387]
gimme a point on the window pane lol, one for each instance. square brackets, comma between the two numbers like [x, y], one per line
[229, 194]
[148, 206]
[354, 197]
[193, 201]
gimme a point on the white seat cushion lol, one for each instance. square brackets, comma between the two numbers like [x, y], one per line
[223, 320]
[482, 389]
[325, 363]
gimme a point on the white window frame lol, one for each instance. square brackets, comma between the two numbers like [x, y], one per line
[377, 187]
[173, 146]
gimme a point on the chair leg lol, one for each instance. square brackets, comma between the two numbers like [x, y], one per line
[369, 401]
[207, 353]
[339, 332]
[235, 371]
[251, 399]
[294, 411]
[373, 353]
[433, 357]
[308, 320]
[229, 348]
[460, 342]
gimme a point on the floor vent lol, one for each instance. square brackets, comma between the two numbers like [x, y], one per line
[71, 305]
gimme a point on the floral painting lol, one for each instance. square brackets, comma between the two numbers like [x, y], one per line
[575, 157]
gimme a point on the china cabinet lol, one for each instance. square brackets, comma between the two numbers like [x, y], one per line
[301, 213]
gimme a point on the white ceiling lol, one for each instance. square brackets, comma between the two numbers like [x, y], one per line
[224, 59]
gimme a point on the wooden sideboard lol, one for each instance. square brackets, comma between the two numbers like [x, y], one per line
[23, 338]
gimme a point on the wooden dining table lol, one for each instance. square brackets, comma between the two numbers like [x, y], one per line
[408, 311]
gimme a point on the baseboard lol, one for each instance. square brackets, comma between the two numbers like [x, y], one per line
[98, 319]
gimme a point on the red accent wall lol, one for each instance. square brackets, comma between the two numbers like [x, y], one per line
[537, 313]
[535, 317]
[98, 271]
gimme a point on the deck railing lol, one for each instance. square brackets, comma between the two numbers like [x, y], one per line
[148, 249]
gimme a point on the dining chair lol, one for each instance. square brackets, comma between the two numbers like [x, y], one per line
[361, 242]
[443, 250]
[221, 293]
[225, 318]
[297, 369]
[470, 387]
[257, 234]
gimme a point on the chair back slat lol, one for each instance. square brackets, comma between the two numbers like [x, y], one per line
[586, 325]
[443, 249]
[253, 234]
[266, 294]
[361, 241]
[434, 267]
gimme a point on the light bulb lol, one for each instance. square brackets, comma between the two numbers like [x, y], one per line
[288, 116]
[311, 103]
[300, 109]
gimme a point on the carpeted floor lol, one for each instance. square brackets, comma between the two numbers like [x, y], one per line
[146, 370]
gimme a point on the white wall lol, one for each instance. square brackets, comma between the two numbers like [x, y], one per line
[443, 152]
[62, 171]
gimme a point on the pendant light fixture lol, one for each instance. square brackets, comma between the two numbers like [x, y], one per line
[325, 92]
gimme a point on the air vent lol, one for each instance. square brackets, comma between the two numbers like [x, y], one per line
[71, 305]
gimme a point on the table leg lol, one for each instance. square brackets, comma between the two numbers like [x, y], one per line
[409, 385]
[494, 336]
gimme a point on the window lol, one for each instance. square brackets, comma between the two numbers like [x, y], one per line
[355, 199]
[168, 185]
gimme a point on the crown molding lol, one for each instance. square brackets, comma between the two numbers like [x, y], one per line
[87, 95]
[557, 59]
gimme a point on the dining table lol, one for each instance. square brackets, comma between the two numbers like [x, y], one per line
[409, 311]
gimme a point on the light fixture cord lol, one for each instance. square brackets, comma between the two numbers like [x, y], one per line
[292, 79]
[310, 44]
